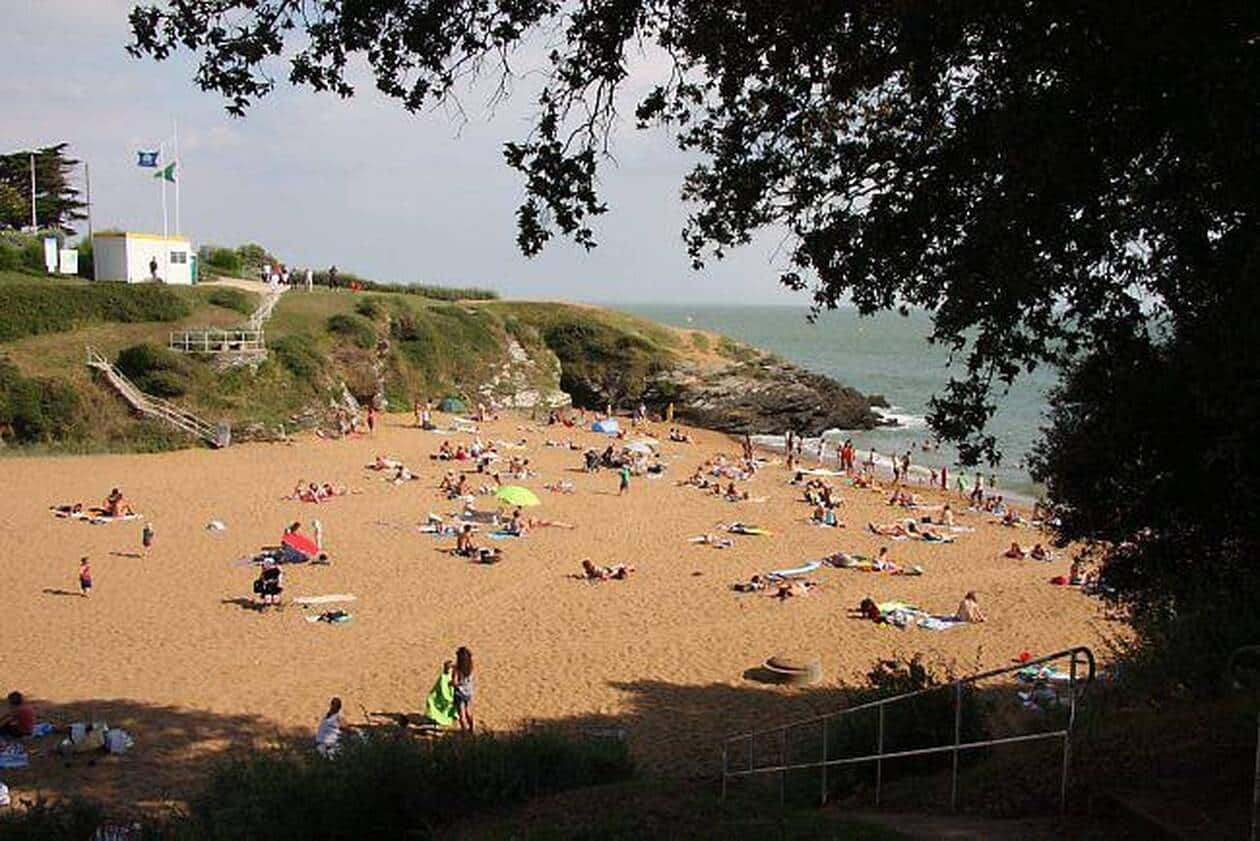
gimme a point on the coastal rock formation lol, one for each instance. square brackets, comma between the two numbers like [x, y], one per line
[765, 396]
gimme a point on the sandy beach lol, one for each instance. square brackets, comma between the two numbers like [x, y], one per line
[167, 648]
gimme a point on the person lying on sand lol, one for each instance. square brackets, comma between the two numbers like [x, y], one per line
[792, 589]
[618, 572]
[67, 510]
[402, 474]
[714, 541]
[564, 486]
[489, 555]
[539, 523]
[382, 463]
[893, 530]
[868, 609]
[752, 585]
[969, 609]
[678, 436]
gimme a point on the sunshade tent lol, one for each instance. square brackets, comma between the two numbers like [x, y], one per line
[608, 426]
[300, 544]
[516, 495]
[452, 404]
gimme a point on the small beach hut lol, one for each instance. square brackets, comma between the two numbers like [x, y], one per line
[133, 257]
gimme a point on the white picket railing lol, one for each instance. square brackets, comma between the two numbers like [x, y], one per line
[147, 404]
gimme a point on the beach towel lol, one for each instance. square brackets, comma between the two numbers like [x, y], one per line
[439, 707]
[939, 623]
[803, 569]
[13, 756]
[501, 535]
[104, 519]
[740, 528]
[329, 599]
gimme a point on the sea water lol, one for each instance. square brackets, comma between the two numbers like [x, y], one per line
[885, 354]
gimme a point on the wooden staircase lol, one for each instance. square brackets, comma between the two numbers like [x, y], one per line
[156, 407]
[265, 306]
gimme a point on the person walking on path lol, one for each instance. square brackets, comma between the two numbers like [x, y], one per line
[310, 279]
[85, 577]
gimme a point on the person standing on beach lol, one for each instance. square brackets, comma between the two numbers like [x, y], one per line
[944, 477]
[462, 682]
[371, 419]
[624, 475]
[146, 538]
[85, 578]
[310, 279]
[318, 528]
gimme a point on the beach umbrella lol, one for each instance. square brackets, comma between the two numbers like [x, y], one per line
[452, 404]
[516, 495]
[640, 447]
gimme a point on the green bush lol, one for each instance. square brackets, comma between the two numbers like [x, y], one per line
[231, 298]
[299, 355]
[354, 327]
[386, 787]
[35, 410]
[156, 370]
[30, 309]
[252, 257]
[700, 342]
[217, 260]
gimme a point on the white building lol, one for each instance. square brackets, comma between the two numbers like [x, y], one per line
[138, 258]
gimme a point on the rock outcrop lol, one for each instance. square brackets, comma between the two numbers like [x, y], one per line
[766, 396]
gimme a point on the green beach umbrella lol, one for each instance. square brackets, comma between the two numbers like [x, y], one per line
[516, 495]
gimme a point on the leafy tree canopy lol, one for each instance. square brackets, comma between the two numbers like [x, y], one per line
[1072, 183]
[57, 202]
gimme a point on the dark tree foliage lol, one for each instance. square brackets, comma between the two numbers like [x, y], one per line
[57, 202]
[1058, 182]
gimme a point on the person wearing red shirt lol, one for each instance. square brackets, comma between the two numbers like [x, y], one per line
[19, 721]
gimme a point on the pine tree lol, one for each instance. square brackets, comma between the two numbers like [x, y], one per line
[57, 203]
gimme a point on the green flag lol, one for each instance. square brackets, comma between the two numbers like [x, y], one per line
[167, 172]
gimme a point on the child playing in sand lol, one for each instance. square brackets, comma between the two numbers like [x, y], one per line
[85, 578]
[146, 537]
[623, 473]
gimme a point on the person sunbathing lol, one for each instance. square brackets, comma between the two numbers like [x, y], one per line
[791, 589]
[383, 463]
[401, 474]
[867, 609]
[591, 572]
[564, 486]
[67, 510]
[444, 452]
[1039, 553]
[733, 494]
[752, 585]
[947, 516]
[894, 530]
[969, 609]
[1016, 551]
[713, 540]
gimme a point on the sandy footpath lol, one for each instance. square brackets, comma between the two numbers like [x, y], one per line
[165, 647]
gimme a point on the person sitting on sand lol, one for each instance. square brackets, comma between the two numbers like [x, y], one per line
[1076, 573]
[270, 583]
[969, 609]
[867, 609]
[19, 721]
[947, 516]
[444, 452]
[116, 505]
[464, 542]
[328, 733]
[1039, 553]
[882, 562]
[1016, 551]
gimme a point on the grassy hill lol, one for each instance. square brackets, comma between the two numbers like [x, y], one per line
[405, 346]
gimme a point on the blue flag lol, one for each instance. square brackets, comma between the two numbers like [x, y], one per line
[149, 159]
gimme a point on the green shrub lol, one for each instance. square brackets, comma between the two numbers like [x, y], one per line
[700, 342]
[387, 787]
[370, 308]
[30, 309]
[156, 370]
[231, 298]
[35, 410]
[87, 268]
[299, 355]
[10, 257]
[217, 260]
[253, 257]
[354, 327]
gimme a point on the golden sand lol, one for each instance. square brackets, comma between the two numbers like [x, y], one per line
[165, 648]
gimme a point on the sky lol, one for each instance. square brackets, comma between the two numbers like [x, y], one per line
[358, 183]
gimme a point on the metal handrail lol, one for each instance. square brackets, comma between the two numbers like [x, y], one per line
[956, 747]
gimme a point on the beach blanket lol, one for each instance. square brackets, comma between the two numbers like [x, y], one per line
[13, 756]
[740, 528]
[95, 516]
[501, 535]
[439, 706]
[803, 569]
[329, 599]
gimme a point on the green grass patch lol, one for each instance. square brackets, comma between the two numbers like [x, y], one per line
[29, 309]
[356, 328]
[229, 297]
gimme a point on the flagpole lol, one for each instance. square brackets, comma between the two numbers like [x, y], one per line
[87, 178]
[162, 183]
[179, 174]
[34, 222]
